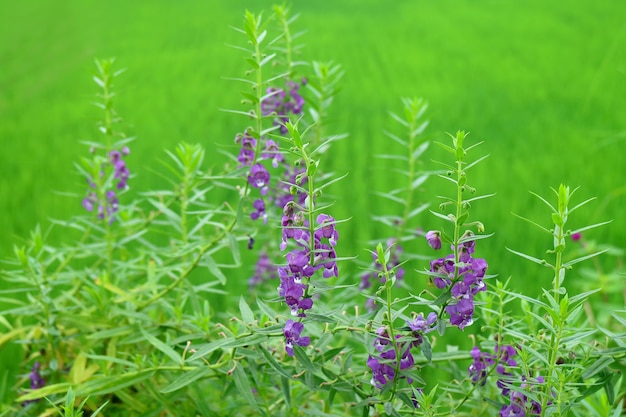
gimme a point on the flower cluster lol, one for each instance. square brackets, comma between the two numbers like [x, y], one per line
[385, 364]
[121, 172]
[519, 404]
[302, 262]
[283, 103]
[258, 175]
[109, 205]
[465, 278]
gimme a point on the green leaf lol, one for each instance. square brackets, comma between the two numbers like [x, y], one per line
[542, 262]
[214, 269]
[246, 313]
[312, 168]
[210, 347]
[427, 349]
[461, 220]
[584, 258]
[533, 223]
[545, 201]
[252, 63]
[187, 378]
[266, 309]
[227, 343]
[234, 247]
[168, 351]
[284, 384]
[272, 362]
[449, 218]
[243, 385]
[304, 360]
[113, 383]
[598, 366]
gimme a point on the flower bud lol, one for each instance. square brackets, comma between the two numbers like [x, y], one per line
[433, 237]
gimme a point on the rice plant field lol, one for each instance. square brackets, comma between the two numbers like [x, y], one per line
[543, 84]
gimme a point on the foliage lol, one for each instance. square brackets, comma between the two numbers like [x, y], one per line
[123, 320]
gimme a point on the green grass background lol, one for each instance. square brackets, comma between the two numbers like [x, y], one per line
[542, 83]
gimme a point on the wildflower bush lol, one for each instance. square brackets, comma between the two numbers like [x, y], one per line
[121, 320]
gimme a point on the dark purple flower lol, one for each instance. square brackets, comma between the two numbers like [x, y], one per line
[264, 270]
[383, 366]
[327, 229]
[420, 326]
[382, 373]
[272, 152]
[89, 201]
[121, 172]
[292, 333]
[36, 380]
[247, 151]
[461, 313]
[293, 291]
[478, 368]
[282, 104]
[259, 207]
[273, 101]
[259, 177]
[576, 236]
[444, 267]
[433, 238]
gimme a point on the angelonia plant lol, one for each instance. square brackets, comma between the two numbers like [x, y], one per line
[231, 291]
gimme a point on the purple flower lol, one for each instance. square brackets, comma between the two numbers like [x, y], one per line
[36, 380]
[282, 105]
[110, 204]
[382, 373]
[292, 333]
[327, 229]
[264, 270]
[478, 368]
[272, 101]
[272, 152]
[420, 326]
[433, 238]
[248, 146]
[445, 268]
[89, 201]
[293, 291]
[259, 177]
[383, 366]
[121, 172]
[461, 313]
[576, 236]
[259, 206]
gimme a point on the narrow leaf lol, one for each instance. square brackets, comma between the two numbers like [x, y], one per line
[246, 313]
[186, 379]
[243, 385]
[168, 351]
[530, 258]
[214, 269]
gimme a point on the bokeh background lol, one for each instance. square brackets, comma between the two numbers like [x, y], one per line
[542, 83]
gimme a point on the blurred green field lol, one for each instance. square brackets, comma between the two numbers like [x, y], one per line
[542, 83]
